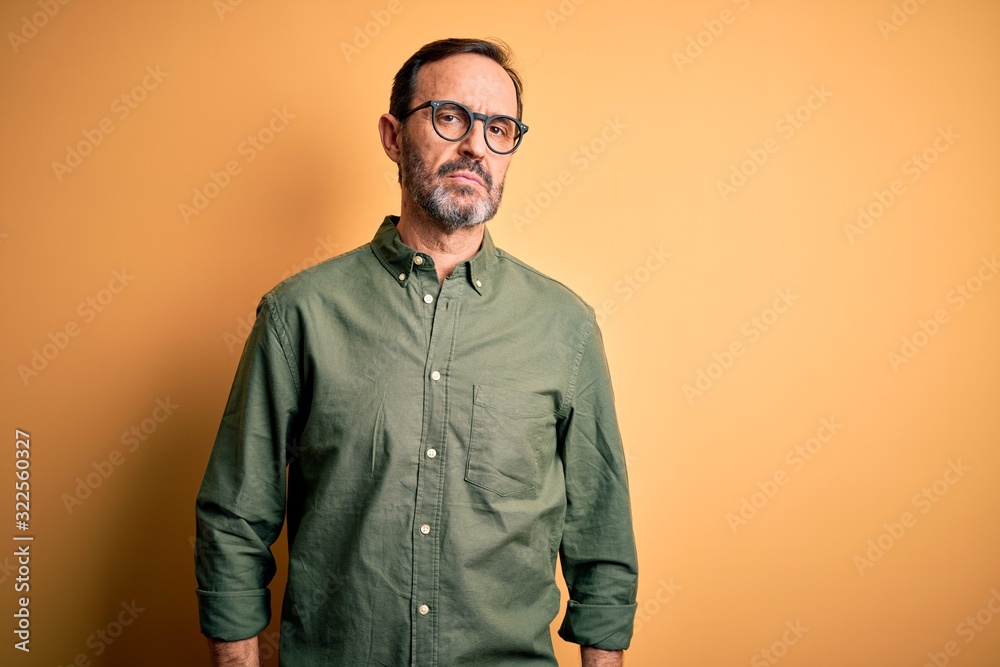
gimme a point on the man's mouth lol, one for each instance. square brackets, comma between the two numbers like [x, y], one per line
[466, 178]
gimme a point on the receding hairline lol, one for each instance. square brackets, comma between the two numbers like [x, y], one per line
[489, 94]
[405, 80]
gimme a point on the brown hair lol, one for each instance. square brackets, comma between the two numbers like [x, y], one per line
[404, 86]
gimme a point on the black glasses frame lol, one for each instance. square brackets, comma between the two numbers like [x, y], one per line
[434, 104]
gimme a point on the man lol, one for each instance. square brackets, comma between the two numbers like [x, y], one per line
[445, 417]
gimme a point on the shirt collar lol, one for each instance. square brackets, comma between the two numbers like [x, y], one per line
[397, 257]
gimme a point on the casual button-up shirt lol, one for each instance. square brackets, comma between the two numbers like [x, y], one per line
[434, 446]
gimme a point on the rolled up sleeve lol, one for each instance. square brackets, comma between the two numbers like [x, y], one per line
[597, 552]
[240, 507]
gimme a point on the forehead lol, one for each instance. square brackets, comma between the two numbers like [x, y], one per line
[476, 81]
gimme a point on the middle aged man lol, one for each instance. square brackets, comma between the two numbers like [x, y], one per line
[445, 417]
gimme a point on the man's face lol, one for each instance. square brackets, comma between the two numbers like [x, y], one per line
[460, 183]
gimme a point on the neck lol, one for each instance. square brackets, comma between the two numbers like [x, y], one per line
[447, 249]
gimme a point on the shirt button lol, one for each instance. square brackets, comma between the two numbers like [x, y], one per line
[423, 609]
[425, 529]
[431, 453]
[418, 260]
[435, 376]
[402, 276]
[428, 298]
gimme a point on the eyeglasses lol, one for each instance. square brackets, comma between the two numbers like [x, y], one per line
[453, 122]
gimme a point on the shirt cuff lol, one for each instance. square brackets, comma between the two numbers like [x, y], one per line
[603, 626]
[234, 615]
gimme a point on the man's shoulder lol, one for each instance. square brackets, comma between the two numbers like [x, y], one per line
[321, 278]
[554, 293]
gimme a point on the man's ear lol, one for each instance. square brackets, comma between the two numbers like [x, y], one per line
[389, 130]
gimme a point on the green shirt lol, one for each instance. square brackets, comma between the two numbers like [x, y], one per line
[439, 444]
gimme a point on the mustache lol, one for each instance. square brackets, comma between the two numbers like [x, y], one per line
[467, 164]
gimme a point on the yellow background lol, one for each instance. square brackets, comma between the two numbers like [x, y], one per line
[660, 134]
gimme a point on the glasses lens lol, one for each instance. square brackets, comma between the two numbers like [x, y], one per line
[451, 121]
[502, 134]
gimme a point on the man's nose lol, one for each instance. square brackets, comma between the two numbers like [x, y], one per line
[474, 143]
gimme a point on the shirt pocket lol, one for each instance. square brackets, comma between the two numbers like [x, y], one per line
[510, 431]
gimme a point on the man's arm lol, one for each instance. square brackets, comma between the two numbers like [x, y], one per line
[597, 552]
[595, 657]
[240, 506]
[241, 653]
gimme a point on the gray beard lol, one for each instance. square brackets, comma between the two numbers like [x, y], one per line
[440, 202]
